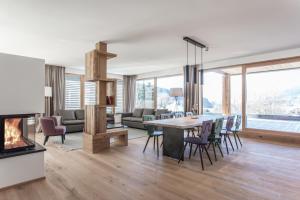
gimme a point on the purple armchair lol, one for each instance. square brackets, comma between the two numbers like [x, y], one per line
[50, 128]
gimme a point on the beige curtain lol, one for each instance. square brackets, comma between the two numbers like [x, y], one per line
[55, 78]
[191, 88]
[129, 93]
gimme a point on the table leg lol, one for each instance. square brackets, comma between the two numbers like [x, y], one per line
[173, 142]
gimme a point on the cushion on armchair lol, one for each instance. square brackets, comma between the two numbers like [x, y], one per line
[68, 115]
[138, 112]
[79, 114]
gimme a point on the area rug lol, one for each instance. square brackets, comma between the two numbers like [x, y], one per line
[74, 140]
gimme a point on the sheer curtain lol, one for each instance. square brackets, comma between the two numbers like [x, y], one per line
[129, 92]
[55, 78]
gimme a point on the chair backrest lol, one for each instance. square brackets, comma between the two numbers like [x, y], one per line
[179, 114]
[238, 122]
[48, 125]
[150, 128]
[189, 114]
[206, 130]
[217, 127]
[229, 123]
[166, 116]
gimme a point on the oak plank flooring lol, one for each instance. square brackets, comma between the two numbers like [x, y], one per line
[257, 171]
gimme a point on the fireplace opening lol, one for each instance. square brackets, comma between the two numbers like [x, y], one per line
[17, 132]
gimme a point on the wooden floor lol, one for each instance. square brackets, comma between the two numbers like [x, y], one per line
[258, 171]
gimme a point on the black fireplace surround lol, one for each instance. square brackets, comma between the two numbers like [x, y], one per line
[17, 133]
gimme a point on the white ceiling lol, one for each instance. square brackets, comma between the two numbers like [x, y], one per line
[146, 35]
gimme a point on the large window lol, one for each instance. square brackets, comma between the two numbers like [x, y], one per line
[72, 91]
[273, 98]
[164, 101]
[89, 93]
[144, 97]
[212, 92]
[236, 94]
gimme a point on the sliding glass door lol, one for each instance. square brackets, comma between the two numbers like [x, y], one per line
[164, 100]
[144, 97]
[212, 93]
[273, 98]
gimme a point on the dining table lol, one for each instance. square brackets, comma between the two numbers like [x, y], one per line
[173, 131]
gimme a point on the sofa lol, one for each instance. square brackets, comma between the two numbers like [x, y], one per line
[135, 119]
[73, 120]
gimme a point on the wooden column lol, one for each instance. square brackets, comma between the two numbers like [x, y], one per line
[244, 97]
[226, 94]
[96, 137]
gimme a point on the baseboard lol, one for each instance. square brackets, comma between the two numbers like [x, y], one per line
[280, 137]
[23, 183]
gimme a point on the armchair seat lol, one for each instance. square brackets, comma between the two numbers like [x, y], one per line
[50, 128]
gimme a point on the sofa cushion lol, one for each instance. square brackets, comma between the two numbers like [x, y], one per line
[161, 111]
[138, 112]
[73, 122]
[133, 119]
[79, 114]
[68, 115]
[148, 111]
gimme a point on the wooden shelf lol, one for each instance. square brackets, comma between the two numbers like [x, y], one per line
[107, 54]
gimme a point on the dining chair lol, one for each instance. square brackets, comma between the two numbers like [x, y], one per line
[215, 137]
[166, 116]
[201, 142]
[225, 133]
[189, 114]
[152, 133]
[236, 130]
[191, 130]
[178, 114]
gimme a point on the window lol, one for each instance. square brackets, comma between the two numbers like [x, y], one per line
[212, 92]
[164, 101]
[273, 98]
[90, 93]
[119, 105]
[144, 97]
[72, 92]
[236, 94]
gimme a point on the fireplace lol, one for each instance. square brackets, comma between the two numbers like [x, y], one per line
[17, 132]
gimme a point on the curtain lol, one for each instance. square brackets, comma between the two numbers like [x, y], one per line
[129, 93]
[191, 89]
[55, 78]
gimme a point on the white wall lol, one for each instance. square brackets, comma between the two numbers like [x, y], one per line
[22, 81]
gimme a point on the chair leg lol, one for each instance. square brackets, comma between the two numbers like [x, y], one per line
[154, 142]
[146, 144]
[207, 155]
[157, 141]
[162, 142]
[62, 139]
[46, 139]
[234, 136]
[225, 140]
[193, 133]
[200, 152]
[196, 150]
[230, 142]
[182, 153]
[208, 145]
[220, 149]
[188, 133]
[213, 145]
[237, 135]
[191, 147]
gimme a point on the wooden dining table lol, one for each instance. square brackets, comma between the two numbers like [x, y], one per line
[173, 129]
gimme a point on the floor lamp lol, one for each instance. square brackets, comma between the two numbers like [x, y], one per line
[48, 95]
[176, 92]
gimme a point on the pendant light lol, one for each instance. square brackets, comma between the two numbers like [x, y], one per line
[201, 69]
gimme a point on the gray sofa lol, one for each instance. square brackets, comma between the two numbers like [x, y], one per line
[74, 120]
[135, 119]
